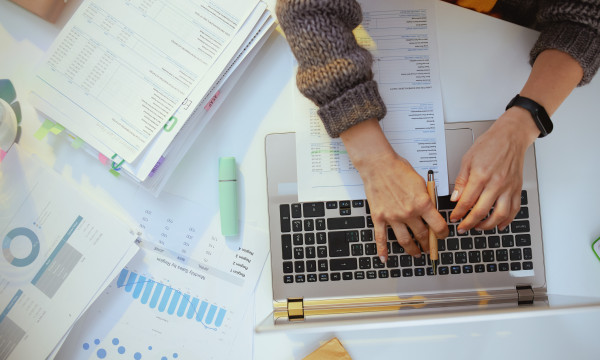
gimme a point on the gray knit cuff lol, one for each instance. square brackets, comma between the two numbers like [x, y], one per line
[358, 104]
[581, 42]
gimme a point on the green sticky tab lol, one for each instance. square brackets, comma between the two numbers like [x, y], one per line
[57, 129]
[114, 172]
[77, 142]
[43, 130]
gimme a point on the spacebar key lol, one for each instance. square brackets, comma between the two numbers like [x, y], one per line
[351, 222]
[343, 264]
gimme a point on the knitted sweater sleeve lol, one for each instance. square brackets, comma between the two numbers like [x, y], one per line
[333, 70]
[572, 26]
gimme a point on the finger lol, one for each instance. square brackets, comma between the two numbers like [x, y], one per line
[420, 232]
[437, 223]
[380, 239]
[479, 212]
[516, 206]
[468, 198]
[461, 180]
[500, 213]
[405, 240]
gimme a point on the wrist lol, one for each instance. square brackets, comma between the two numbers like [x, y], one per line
[518, 122]
[366, 142]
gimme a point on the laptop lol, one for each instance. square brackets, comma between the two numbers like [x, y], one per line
[325, 267]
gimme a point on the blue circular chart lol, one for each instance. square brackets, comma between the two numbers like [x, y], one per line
[35, 246]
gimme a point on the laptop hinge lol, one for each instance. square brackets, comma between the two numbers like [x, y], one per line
[526, 295]
[295, 308]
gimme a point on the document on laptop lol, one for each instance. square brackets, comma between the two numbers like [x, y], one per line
[401, 35]
[120, 69]
[58, 250]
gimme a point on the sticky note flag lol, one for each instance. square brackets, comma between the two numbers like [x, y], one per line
[43, 130]
[115, 173]
[57, 129]
[2, 155]
[103, 159]
[77, 142]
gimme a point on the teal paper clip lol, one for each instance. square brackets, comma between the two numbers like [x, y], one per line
[170, 124]
[596, 247]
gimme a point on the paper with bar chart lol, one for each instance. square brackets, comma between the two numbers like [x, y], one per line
[56, 255]
[186, 284]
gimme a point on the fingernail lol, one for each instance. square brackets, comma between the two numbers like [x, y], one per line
[461, 231]
[454, 196]
[382, 258]
[453, 220]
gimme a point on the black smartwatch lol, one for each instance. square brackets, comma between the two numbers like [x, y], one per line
[538, 113]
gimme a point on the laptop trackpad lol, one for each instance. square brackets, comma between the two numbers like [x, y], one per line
[458, 141]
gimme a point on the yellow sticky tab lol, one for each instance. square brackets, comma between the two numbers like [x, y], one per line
[43, 130]
[76, 143]
[57, 129]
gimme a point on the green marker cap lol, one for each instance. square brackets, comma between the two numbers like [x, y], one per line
[227, 168]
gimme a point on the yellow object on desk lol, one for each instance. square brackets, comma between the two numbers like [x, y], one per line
[332, 349]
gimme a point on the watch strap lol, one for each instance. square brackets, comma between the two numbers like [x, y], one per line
[537, 111]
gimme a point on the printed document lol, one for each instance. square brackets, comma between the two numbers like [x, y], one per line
[120, 69]
[58, 249]
[401, 35]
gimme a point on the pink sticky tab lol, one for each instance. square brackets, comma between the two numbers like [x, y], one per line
[2, 155]
[103, 159]
[212, 101]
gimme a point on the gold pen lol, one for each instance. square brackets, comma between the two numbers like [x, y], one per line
[433, 245]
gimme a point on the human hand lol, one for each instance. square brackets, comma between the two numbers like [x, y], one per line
[491, 173]
[396, 193]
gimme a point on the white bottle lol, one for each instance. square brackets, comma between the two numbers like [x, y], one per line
[8, 126]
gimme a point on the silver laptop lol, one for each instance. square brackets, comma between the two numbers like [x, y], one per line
[324, 262]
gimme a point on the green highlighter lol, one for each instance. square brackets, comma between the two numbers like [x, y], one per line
[228, 202]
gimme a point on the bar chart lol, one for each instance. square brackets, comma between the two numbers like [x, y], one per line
[173, 302]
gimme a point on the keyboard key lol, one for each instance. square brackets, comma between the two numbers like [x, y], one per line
[321, 251]
[323, 265]
[523, 213]
[352, 236]
[298, 239]
[324, 277]
[395, 273]
[480, 242]
[284, 218]
[527, 254]
[296, 211]
[331, 205]
[441, 244]
[392, 262]
[515, 254]
[494, 242]
[407, 272]
[309, 225]
[490, 231]
[474, 232]
[467, 269]
[310, 252]
[397, 248]
[299, 266]
[351, 222]
[523, 197]
[479, 268]
[377, 264]
[311, 266]
[320, 224]
[420, 271]
[492, 268]
[311, 277]
[523, 240]
[286, 246]
[501, 255]
[515, 266]
[487, 255]
[527, 265]
[371, 274]
[447, 258]
[443, 270]
[288, 279]
[508, 241]
[298, 253]
[347, 275]
[321, 238]
[344, 204]
[420, 261]
[474, 256]
[466, 243]
[383, 274]
[455, 269]
[503, 267]
[519, 226]
[343, 264]
[367, 208]
[406, 260]
[358, 203]
[345, 211]
[391, 235]
[300, 278]
[288, 267]
[366, 235]
[338, 244]
[451, 230]
[370, 222]
[316, 209]
[370, 249]
[506, 230]
[452, 243]
[359, 275]
[296, 225]
[364, 262]
[460, 257]
[356, 249]
[444, 203]
[309, 239]
[335, 276]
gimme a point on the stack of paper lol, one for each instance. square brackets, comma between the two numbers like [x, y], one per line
[57, 256]
[134, 82]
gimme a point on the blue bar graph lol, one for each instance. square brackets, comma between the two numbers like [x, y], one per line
[171, 301]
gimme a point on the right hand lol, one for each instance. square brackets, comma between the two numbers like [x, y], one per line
[396, 193]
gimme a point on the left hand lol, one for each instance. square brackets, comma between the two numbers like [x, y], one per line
[491, 173]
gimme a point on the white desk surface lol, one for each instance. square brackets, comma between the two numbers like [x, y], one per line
[483, 64]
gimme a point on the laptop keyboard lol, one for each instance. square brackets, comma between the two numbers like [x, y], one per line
[333, 241]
